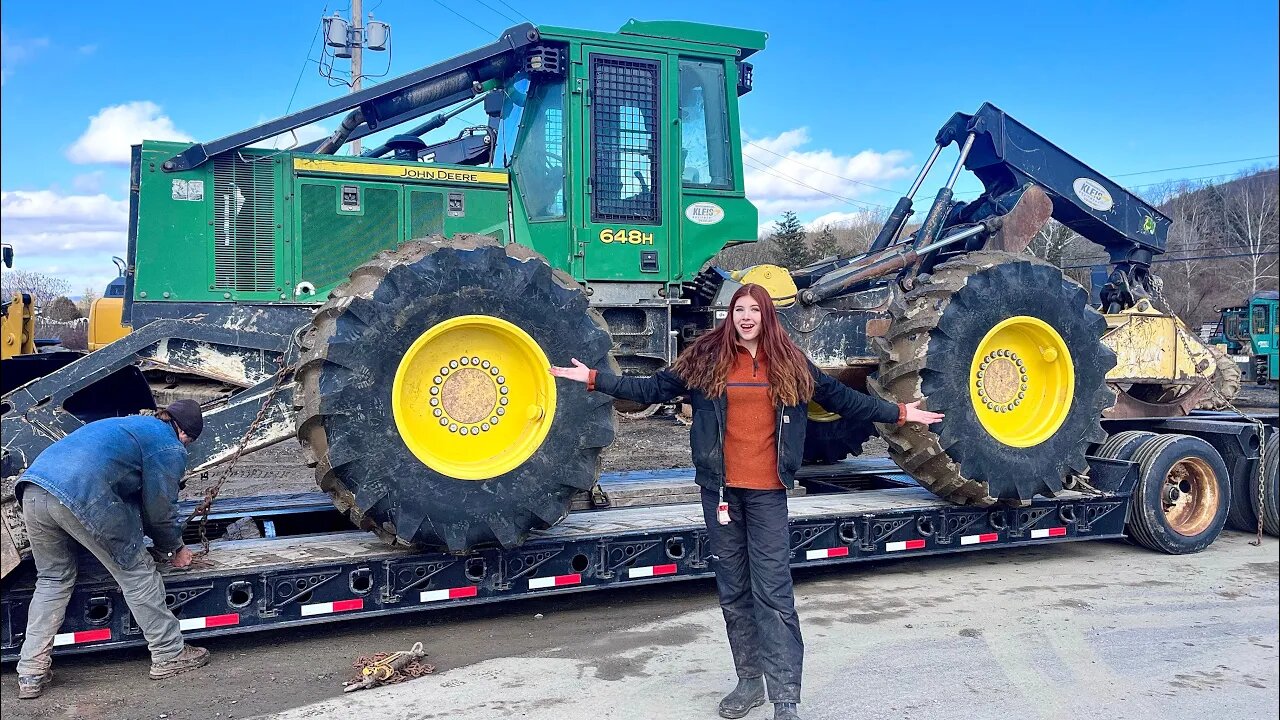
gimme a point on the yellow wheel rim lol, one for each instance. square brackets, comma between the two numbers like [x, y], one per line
[473, 397]
[817, 413]
[1021, 381]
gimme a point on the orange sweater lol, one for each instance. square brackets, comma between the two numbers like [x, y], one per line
[750, 433]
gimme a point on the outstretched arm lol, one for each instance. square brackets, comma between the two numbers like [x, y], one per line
[659, 387]
[836, 397]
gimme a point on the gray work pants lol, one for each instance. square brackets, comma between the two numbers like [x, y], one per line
[54, 532]
[752, 559]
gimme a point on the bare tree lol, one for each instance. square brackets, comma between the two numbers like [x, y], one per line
[855, 234]
[1251, 220]
[86, 300]
[1055, 242]
[42, 287]
[1190, 285]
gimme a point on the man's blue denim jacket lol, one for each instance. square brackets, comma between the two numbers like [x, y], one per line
[119, 477]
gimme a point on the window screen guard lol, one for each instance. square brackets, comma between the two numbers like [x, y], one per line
[626, 161]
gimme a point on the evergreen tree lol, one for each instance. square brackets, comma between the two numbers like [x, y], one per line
[790, 244]
[825, 244]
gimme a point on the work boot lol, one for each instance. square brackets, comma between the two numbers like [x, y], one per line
[785, 711]
[190, 658]
[31, 687]
[749, 694]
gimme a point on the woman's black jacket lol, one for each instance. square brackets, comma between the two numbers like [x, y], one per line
[707, 435]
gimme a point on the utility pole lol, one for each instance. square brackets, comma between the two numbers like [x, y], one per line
[357, 52]
[351, 39]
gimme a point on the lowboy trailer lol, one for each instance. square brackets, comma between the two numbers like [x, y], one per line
[1150, 481]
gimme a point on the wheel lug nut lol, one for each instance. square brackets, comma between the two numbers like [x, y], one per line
[484, 364]
[484, 427]
[502, 379]
[493, 370]
[453, 364]
[475, 360]
[435, 391]
[437, 380]
[493, 420]
[466, 361]
[437, 412]
[444, 371]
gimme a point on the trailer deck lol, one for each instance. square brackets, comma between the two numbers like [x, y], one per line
[312, 568]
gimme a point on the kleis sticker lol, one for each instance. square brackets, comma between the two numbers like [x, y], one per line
[704, 213]
[1093, 194]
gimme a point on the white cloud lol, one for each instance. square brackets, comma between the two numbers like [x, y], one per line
[781, 174]
[838, 218]
[114, 129]
[300, 136]
[14, 52]
[70, 236]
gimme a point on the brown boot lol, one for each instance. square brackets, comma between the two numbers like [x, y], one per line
[190, 658]
[30, 687]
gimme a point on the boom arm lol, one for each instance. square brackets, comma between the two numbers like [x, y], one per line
[387, 104]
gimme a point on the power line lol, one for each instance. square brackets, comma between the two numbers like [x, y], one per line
[497, 11]
[305, 63]
[508, 6]
[770, 170]
[1190, 167]
[469, 20]
[1166, 259]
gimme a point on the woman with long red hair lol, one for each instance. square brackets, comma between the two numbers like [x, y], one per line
[750, 385]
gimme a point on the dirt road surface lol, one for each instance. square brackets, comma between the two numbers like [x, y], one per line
[1092, 629]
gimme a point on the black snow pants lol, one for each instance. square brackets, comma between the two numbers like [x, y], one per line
[751, 556]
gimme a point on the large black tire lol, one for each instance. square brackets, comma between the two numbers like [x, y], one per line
[833, 441]
[351, 353]
[1178, 460]
[1242, 515]
[1225, 384]
[938, 327]
[1270, 481]
[1123, 445]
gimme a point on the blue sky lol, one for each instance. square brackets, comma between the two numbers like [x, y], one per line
[846, 93]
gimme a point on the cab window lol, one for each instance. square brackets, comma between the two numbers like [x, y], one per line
[704, 125]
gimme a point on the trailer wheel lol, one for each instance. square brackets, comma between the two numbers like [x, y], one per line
[1123, 445]
[1180, 503]
[427, 407]
[1010, 350]
[1270, 480]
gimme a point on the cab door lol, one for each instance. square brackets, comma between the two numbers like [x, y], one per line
[622, 227]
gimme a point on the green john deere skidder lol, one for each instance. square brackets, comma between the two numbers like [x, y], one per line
[397, 310]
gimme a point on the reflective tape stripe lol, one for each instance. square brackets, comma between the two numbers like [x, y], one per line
[904, 545]
[332, 607]
[84, 636]
[448, 593]
[554, 581]
[652, 570]
[209, 621]
[826, 553]
[1048, 532]
[978, 539]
